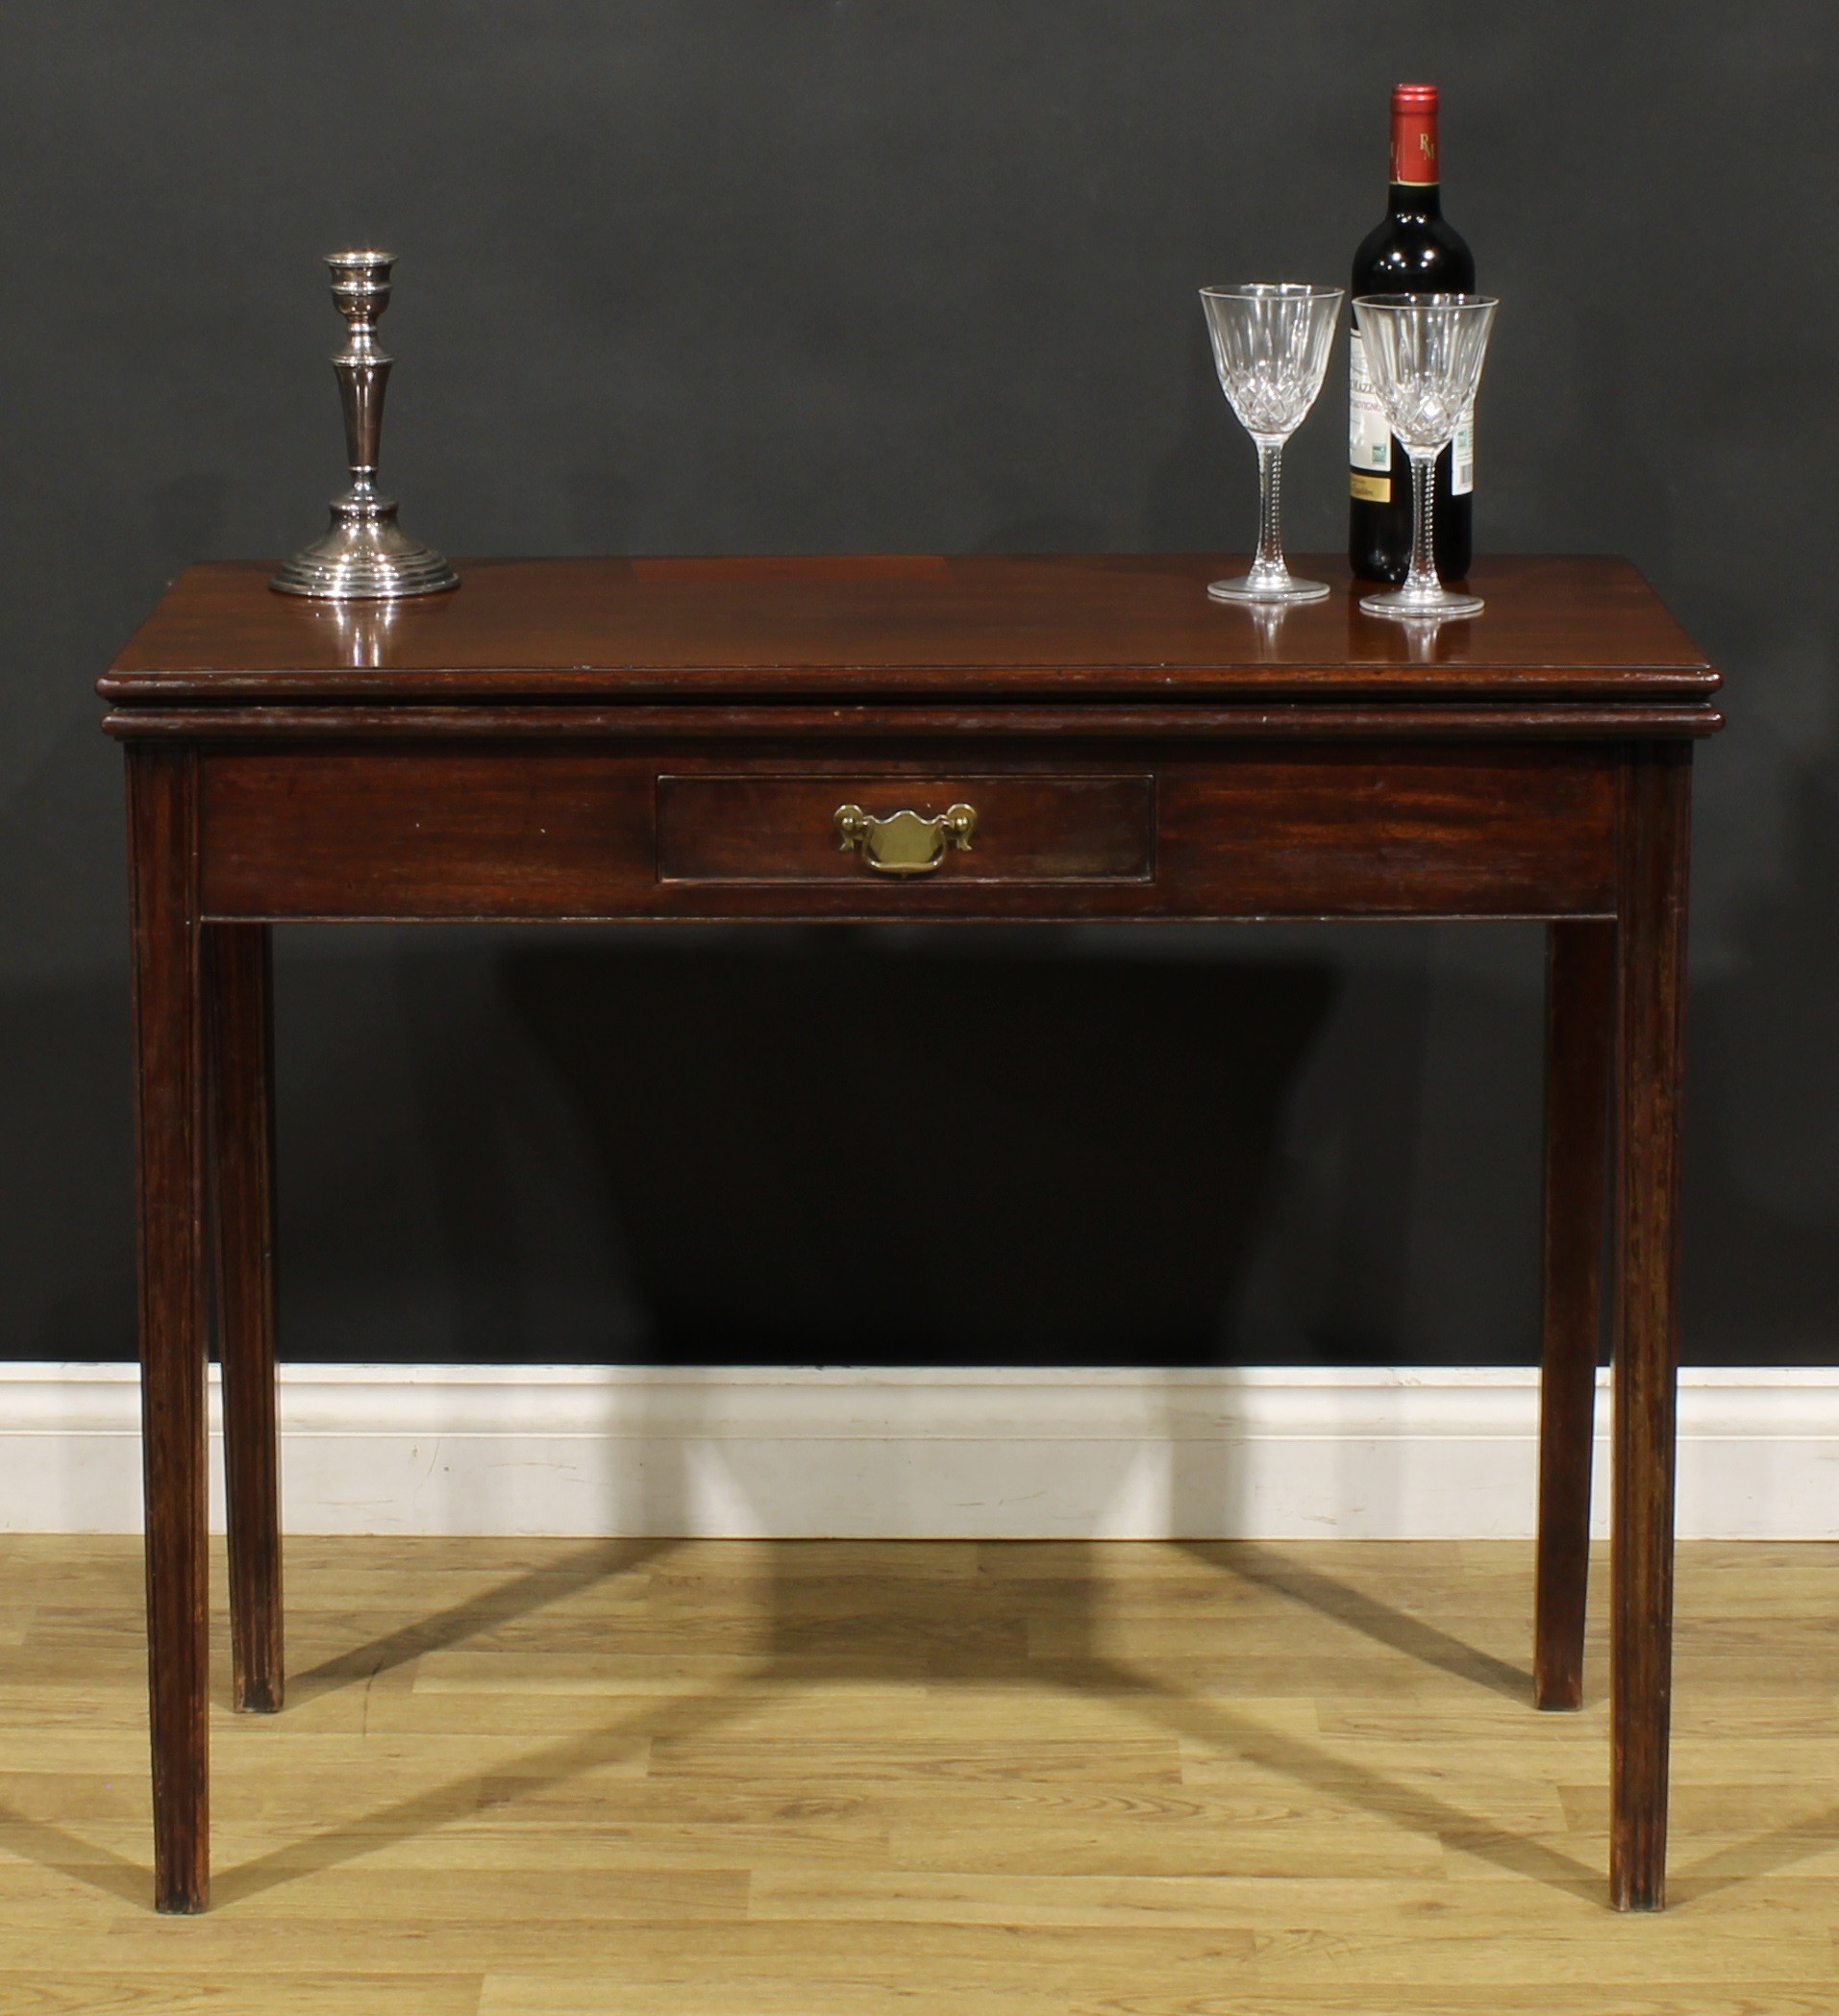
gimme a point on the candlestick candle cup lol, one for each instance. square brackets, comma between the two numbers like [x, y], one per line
[1271, 344]
[1424, 355]
[365, 555]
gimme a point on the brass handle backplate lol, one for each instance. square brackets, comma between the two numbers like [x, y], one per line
[903, 843]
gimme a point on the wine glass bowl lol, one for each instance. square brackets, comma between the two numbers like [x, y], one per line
[1271, 344]
[1423, 356]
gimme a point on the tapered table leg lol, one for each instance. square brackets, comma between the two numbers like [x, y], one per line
[168, 1033]
[1579, 1040]
[239, 1032]
[1650, 986]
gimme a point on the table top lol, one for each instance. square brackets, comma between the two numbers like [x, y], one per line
[894, 627]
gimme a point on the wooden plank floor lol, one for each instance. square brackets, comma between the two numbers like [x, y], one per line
[721, 1778]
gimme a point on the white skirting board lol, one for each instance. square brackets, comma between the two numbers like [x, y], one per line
[796, 1452]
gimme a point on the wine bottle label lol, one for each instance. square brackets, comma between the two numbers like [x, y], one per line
[1369, 432]
[1462, 462]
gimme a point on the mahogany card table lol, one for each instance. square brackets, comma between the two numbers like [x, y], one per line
[971, 740]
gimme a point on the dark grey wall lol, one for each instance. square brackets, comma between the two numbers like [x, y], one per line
[717, 275]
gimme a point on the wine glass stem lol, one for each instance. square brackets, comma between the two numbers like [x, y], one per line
[1422, 577]
[1269, 564]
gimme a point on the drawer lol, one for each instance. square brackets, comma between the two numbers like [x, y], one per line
[839, 828]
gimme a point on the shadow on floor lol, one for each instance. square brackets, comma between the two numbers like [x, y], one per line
[943, 1636]
[1268, 1568]
[518, 1596]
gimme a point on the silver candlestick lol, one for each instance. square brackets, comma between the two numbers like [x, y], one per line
[365, 555]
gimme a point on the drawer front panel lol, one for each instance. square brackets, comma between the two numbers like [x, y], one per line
[1015, 829]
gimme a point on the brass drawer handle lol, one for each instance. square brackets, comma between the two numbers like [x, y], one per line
[903, 843]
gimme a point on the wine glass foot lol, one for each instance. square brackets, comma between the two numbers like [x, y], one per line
[1400, 604]
[1285, 589]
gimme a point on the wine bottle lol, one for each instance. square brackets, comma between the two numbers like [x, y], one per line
[1412, 251]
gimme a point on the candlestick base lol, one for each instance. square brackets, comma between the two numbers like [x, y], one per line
[365, 555]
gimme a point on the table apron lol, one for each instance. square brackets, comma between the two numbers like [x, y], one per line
[571, 831]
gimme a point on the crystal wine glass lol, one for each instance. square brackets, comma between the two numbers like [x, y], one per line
[1424, 355]
[1271, 345]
